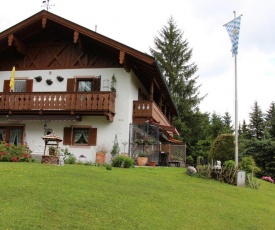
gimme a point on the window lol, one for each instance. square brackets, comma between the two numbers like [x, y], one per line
[12, 134]
[20, 85]
[80, 136]
[84, 84]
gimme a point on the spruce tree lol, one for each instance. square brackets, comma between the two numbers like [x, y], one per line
[174, 58]
[256, 125]
[270, 120]
[227, 122]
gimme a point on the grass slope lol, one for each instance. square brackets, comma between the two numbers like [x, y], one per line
[39, 196]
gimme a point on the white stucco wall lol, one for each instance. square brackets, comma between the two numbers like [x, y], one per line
[127, 90]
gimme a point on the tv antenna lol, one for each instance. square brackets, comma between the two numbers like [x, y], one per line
[46, 4]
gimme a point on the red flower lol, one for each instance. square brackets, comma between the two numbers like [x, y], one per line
[14, 159]
[3, 153]
[25, 154]
[8, 144]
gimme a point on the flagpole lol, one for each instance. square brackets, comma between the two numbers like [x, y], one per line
[236, 110]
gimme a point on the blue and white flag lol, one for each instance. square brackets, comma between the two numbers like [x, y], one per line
[233, 29]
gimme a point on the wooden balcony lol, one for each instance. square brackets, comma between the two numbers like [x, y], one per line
[149, 110]
[59, 103]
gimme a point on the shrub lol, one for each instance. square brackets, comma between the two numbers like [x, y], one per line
[189, 160]
[123, 161]
[108, 167]
[223, 148]
[200, 160]
[248, 164]
[14, 153]
[71, 159]
[252, 181]
[229, 164]
[115, 150]
[128, 162]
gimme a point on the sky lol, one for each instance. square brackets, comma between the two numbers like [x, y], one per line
[136, 23]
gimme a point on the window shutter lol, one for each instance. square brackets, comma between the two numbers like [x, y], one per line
[92, 136]
[29, 85]
[71, 84]
[96, 83]
[67, 136]
[6, 87]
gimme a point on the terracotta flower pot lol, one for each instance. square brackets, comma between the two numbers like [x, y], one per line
[142, 161]
[152, 163]
[100, 158]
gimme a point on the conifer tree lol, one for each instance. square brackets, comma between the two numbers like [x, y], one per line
[227, 122]
[270, 120]
[256, 125]
[174, 58]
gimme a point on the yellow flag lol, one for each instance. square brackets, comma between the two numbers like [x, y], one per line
[12, 79]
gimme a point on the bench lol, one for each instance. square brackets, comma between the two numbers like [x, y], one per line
[176, 163]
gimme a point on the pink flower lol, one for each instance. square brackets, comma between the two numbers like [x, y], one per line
[268, 178]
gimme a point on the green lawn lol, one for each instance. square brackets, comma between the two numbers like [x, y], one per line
[39, 196]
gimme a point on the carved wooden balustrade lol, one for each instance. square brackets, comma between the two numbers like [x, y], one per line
[78, 103]
[149, 109]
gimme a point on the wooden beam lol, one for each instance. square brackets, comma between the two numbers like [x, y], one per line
[20, 46]
[152, 91]
[121, 57]
[122, 61]
[10, 40]
[44, 22]
[76, 35]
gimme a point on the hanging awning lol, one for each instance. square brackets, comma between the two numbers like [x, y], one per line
[43, 118]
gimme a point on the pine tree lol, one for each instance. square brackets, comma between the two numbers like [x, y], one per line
[270, 120]
[174, 59]
[227, 122]
[256, 125]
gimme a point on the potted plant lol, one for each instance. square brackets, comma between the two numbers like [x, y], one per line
[115, 150]
[59, 78]
[142, 159]
[49, 81]
[101, 151]
[52, 150]
[113, 84]
[38, 78]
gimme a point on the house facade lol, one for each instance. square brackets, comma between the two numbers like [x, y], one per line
[86, 88]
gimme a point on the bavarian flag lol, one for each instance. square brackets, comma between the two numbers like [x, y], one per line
[233, 29]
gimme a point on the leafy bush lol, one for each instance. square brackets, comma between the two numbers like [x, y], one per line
[70, 159]
[108, 167]
[223, 148]
[200, 160]
[252, 181]
[229, 164]
[115, 150]
[189, 160]
[123, 161]
[248, 164]
[14, 153]
[128, 162]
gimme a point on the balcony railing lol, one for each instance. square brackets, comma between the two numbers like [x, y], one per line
[80, 103]
[149, 109]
